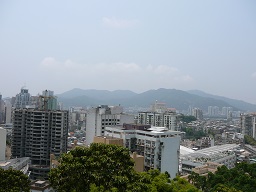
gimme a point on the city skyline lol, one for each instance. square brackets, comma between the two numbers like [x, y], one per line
[132, 45]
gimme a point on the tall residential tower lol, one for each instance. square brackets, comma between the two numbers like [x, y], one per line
[37, 133]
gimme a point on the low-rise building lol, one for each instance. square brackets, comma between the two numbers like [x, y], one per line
[21, 164]
[41, 186]
[222, 154]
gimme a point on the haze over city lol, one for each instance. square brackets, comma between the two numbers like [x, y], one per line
[131, 45]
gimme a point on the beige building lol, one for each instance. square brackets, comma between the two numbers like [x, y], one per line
[108, 140]
[205, 169]
[138, 162]
[138, 159]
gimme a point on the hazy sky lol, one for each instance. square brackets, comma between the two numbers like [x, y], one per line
[133, 44]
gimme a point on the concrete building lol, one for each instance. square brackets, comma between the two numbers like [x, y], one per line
[108, 140]
[8, 112]
[138, 162]
[20, 164]
[248, 122]
[165, 119]
[2, 143]
[160, 116]
[37, 134]
[197, 113]
[22, 99]
[159, 146]
[2, 111]
[222, 154]
[100, 117]
[40, 186]
[47, 101]
[158, 107]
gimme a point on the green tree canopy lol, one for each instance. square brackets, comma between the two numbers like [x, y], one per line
[249, 140]
[187, 118]
[240, 178]
[100, 165]
[13, 181]
[109, 168]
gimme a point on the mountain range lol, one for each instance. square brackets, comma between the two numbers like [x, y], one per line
[178, 99]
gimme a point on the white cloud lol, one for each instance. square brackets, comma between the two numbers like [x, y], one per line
[253, 75]
[49, 62]
[118, 23]
[119, 75]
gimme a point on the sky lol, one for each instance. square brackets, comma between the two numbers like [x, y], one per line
[130, 45]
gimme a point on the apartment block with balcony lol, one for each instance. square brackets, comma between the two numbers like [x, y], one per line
[100, 117]
[37, 134]
[159, 146]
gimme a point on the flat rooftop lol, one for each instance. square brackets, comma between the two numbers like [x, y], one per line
[14, 163]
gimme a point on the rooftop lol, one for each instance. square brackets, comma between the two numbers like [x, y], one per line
[211, 153]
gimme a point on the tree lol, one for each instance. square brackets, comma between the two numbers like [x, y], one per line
[249, 140]
[160, 182]
[182, 185]
[100, 166]
[224, 188]
[187, 118]
[13, 181]
[240, 178]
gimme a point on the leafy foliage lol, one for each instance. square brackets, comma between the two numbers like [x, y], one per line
[187, 118]
[100, 165]
[240, 178]
[194, 134]
[109, 168]
[13, 181]
[249, 140]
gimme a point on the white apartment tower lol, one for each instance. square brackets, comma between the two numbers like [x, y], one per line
[100, 117]
[166, 119]
[159, 146]
[37, 134]
[159, 116]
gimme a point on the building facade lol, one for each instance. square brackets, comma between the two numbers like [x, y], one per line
[159, 146]
[100, 117]
[37, 134]
[222, 154]
[197, 113]
[22, 99]
[165, 119]
[248, 124]
[2, 143]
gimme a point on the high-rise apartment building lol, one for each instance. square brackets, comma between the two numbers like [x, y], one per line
[47, 101]
[2, 114]
[22, 99]
[159, 116]
[165, 119]
[2, 143]
[248, 124]
[8, 112]
[213, 111]
[100, 117]
[37, 134]
[197, 113]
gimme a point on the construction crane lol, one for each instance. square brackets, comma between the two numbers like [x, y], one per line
[44, 100]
